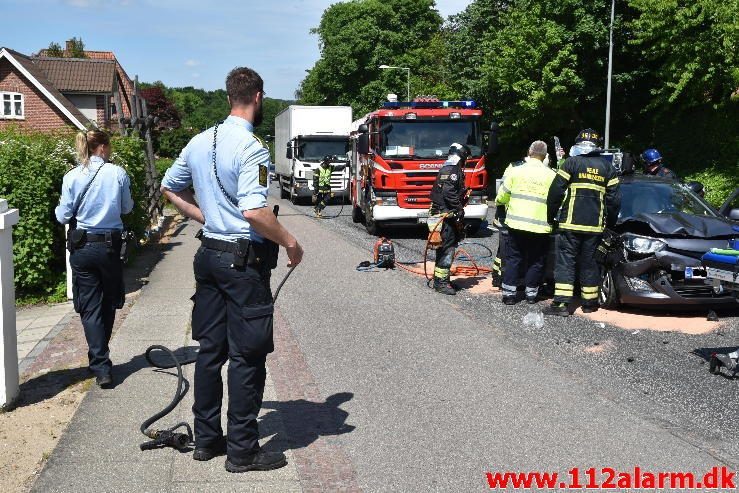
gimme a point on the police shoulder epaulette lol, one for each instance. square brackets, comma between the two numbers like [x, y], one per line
[261, 142]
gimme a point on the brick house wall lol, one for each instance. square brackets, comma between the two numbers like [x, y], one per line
[40, 113]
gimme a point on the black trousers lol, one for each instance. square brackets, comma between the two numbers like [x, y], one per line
[97, 291]
[232, 320]
[576, 251]
[322, 199]
[525, 257]
[445, 253]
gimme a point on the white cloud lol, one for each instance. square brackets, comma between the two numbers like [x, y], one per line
[192, 63]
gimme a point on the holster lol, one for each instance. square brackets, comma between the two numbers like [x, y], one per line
[127, 237]
[264, 255]
[75, 239]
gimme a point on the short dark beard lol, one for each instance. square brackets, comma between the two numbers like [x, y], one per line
[258, 115]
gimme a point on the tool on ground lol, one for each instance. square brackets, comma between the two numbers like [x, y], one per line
[730, 361]
[384, 253]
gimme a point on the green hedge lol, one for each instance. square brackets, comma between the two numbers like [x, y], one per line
[32, 166]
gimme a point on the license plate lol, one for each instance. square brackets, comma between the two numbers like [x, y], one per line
[721, 275]
[423, 218]
[695, 273]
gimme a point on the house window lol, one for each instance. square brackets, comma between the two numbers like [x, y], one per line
[11, 105]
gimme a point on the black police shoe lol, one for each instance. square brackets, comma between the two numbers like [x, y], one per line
[207, 453]
[558, 309]
[104, 381]
[261, 461]
[590, 308]
[531, 300]
[509, 300]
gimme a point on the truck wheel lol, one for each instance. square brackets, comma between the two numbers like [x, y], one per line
[292, 193]
[357, 215]
[608, 292]
[284, 194]
[472, 227]
[372, 226]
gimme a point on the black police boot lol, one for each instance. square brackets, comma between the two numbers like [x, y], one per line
[207, 453]
[104, 381]
[509, 299]
[531, 300]
[443, 286]
[590, 308]
[558, 309]
[261, 461]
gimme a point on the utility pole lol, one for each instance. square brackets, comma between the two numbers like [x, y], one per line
[610, 76]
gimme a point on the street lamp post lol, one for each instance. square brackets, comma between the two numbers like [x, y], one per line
[610, 76]
[408, 80]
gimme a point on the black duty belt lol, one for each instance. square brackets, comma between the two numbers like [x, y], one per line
[102, 237]
[221, 245]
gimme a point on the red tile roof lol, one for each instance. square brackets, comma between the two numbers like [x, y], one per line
[81, 75]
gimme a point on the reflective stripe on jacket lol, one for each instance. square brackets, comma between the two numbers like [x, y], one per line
[525, 190]
[322, 178]
[584, 194]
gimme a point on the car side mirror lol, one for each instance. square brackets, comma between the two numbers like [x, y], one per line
[363, 140]
[289, 153]
[734, 214]
[493, 147]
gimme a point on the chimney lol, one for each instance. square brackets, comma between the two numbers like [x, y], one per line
[70, 46]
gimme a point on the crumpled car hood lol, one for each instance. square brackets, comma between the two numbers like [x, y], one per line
[679, 224]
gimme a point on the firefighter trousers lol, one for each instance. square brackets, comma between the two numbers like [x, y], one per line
[575, 258]
[445, 253]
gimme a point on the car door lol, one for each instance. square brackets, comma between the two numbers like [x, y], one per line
[730, 209]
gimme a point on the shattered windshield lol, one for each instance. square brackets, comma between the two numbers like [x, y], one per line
[643, 197]
[427, 139]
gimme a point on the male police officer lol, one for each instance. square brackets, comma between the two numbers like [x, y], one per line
[525, 191]
[588, 185]
[448, 197]
[322, 184]
[652, 161]
[232, 315]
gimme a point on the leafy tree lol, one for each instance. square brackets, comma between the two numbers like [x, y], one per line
[77, 48]
[358, 36]
[161, 107]
[55, 50]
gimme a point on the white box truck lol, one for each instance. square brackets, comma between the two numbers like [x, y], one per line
[303, 136]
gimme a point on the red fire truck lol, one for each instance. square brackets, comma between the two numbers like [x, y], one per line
[397, 152]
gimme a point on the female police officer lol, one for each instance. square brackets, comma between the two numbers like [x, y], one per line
[94, 196]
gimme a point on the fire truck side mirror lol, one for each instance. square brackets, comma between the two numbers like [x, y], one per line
[363, 140]
[289, 154]
[493, 139]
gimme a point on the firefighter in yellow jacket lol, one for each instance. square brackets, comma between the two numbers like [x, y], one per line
[524, 191]
[584, 197]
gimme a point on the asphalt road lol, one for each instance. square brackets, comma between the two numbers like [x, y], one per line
[447, 388]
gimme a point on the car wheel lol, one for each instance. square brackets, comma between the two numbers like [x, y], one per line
[608, 292]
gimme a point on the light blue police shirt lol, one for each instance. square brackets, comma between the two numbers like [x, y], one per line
[107, 199]
[240, 157]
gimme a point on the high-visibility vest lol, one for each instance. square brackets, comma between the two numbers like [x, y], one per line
[324, 178]
[525, 190]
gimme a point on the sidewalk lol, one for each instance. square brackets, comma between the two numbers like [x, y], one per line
[100, 449]
[36, 327]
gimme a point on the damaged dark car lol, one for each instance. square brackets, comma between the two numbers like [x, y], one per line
[663, 230]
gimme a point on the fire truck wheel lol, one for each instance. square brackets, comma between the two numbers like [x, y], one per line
[372, 227]
[357, 215]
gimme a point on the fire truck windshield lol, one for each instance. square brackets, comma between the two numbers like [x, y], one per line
[426, 139]
[315, 150]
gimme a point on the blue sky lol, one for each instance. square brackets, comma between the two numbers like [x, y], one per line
[183, 42]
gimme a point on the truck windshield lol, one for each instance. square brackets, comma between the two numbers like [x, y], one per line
[428, 139]
[315, 150]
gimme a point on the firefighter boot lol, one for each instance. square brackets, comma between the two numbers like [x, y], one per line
[442, 284]
[558, 309]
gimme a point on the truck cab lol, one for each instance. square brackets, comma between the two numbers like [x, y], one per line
[306, 153]
[397, 152]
